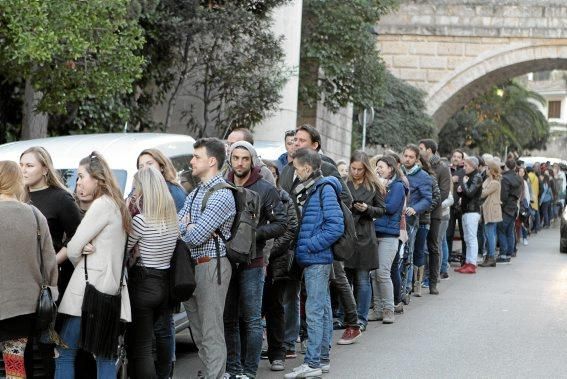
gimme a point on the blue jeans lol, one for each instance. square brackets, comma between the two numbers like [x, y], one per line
[244, 303]
[291, 310]
[443, 248]
[490, 236]
[362, 292]
[419, 247]
[65, 363]
[506, 235]
[545, 210]
[318, 313]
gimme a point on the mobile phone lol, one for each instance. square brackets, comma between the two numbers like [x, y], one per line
[358, 202]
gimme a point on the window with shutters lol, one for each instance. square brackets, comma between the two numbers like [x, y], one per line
[554, 109]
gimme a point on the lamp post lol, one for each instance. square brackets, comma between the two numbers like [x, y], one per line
[367, 117]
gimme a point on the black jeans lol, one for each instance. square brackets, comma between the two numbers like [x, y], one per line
[275, 317]
[344, 291]
[397, 277]
[455, 216]
[149, 297]
[433, 249]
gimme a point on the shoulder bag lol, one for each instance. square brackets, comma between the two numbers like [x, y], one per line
[100, 317]
[46, 308]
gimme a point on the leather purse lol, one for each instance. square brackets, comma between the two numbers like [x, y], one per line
[182, 276]
[46, 310]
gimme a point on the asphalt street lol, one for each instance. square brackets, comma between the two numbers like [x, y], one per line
[504, 322]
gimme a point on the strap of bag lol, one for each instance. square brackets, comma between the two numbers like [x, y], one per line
[123, 267]
[217, 248]
[39, 252]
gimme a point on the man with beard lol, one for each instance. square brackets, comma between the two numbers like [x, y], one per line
[244, 298]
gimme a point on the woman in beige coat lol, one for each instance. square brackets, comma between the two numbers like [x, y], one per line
[101, 237]
[491, 211]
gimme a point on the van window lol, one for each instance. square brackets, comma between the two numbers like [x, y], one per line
[181, 162]
[69, 176]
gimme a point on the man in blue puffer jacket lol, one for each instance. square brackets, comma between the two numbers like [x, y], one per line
[322, 224]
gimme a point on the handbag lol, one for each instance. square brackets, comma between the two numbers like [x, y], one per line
[46, 310]
[182, 276]
[100, 317]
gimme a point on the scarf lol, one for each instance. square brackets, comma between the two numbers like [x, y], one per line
[412, 170]
[302, 190]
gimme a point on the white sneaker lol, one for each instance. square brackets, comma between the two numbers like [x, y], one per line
[525, 241]
[304, 371]
[326, 368]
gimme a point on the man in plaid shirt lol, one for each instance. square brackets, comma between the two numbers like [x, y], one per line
[205, 309]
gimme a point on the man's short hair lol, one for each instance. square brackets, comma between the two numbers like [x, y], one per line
[413, 148]
[511, 164]
[313, 134]
[214, 147]
[305, 156]
[246, 135]
[429, 144]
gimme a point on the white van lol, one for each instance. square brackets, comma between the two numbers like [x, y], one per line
[120, 150]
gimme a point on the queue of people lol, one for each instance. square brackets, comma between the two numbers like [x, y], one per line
[263, 240]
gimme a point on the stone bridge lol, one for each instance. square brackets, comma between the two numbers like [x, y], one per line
[455, 50]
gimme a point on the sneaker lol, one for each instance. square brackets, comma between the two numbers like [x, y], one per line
[290, 354]
[388, 316]
[304, 371]
[264, 354]
[277, 365]
[350, 335]
[399, 308]
[469, 269]
[374, 315]
[325, 367]
[425, 283]
[362, 327]
[444, 276]
[503, 259]
[525, 241]
[338, 324]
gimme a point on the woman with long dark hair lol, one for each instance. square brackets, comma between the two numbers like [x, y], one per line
[387, 229]
[368, 203]
[101, 237]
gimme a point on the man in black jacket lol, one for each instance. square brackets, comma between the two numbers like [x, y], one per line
[510, 192]
[244, 297]
[457, 174]
[428, 149]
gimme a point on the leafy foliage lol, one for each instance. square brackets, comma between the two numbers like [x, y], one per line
[70, 50]
[506, 117]
[339, 60]
[400, 120]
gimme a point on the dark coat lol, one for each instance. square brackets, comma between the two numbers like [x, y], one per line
[511, 189]
[282, 253]
[365, 255]
[443, 174]
[425, 217]
[470, 194]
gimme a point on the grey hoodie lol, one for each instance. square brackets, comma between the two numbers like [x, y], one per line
[256, 161]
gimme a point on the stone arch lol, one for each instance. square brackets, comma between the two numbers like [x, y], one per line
[491, 68]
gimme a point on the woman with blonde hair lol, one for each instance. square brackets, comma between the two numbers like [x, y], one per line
[491, 211]
[155, 232]
[155, 158]
[20, 267]
[368, 203]
[100, 239]
[48, 193]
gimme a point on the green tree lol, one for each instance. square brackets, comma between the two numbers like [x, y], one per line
[400, 120]
[504, 118]
[62, 52]
[339, 62]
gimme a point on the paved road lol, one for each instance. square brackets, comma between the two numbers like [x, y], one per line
[509, 321]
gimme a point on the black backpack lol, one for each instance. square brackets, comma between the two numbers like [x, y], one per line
[242, 242]
[343, 249]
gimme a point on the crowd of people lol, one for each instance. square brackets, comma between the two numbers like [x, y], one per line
[291, 283]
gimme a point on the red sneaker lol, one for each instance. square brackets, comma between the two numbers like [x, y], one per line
[470, 269]
[460, 269]
[350, 335]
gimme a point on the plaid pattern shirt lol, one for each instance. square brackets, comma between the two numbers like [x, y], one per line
[218, 215]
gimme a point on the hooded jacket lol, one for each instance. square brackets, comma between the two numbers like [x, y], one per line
[443, 174]
[510, 192]
[282, 252]
[272, 221]
[421, 187]
[322, 223]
